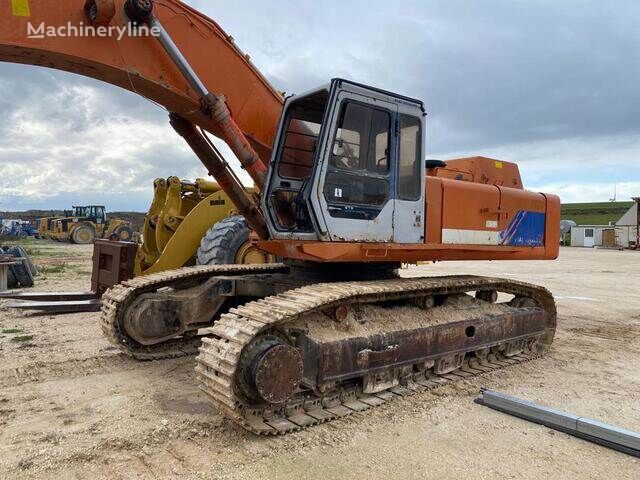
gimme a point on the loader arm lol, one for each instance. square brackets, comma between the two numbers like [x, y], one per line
[140, 65]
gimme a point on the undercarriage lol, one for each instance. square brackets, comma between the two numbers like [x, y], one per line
[158, 316]
[281, 350]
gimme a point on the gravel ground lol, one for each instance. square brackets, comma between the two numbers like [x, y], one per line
[72, 407]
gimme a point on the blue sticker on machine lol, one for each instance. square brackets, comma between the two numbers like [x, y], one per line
[525, 230]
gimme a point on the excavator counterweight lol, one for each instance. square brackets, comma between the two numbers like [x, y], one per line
[346, 197]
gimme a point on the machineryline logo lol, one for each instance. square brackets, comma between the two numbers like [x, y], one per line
[70, 30]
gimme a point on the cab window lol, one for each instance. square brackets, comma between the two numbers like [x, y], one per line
[362, 139]
[410, 176]
[300, 137]
[357, 182]
[299, 148]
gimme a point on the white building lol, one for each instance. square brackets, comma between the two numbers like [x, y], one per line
[627, 227]
[621, 234]
[589, 235]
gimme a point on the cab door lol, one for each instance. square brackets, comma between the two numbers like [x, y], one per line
[356, 188]
[409, 211]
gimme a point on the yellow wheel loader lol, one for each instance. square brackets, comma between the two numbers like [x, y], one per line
[192, 223]
[87, 224]
[46, 225]
[188, 223]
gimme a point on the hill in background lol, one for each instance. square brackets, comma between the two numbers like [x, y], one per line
[136, 218]
[598, 213]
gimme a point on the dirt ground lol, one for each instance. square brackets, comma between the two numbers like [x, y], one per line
[72, 407]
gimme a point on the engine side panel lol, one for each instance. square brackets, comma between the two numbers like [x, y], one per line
[465, 221]
[478, 214]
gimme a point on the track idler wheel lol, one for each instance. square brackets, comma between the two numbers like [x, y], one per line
[523, 302]
[490, 296]
[272, 370]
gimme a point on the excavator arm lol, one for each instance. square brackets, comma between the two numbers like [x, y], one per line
[140, 64]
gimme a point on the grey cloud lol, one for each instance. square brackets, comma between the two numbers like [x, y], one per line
[53, 96]
[537, 82]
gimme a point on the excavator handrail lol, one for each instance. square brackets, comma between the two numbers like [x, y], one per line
[139, 64]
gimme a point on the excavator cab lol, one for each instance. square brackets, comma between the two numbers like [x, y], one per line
[348, 165]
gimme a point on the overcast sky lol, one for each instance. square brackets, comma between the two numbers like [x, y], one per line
[553, 86]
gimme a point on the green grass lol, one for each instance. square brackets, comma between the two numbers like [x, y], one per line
[22, 338]
[11, 330]
[52, 269]
[79, 269]
[23, 241]
[39, 248]
[63, 269]
[45, 252]
[597, 213]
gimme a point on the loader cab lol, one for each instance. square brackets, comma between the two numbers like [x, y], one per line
[98, 214]
[94, 213]
[348, 166]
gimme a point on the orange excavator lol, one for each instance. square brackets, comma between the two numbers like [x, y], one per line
[346, 197]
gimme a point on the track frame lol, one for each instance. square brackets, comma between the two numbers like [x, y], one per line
[220, 361]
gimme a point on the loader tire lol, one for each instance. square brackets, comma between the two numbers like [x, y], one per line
[21, 271]
[83, 235]
[222, 242]
[11, 278]
[12, 282]
[124, 233]
[27, 260]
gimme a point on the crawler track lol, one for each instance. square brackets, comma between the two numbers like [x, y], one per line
[219, 363]
[116, 301]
